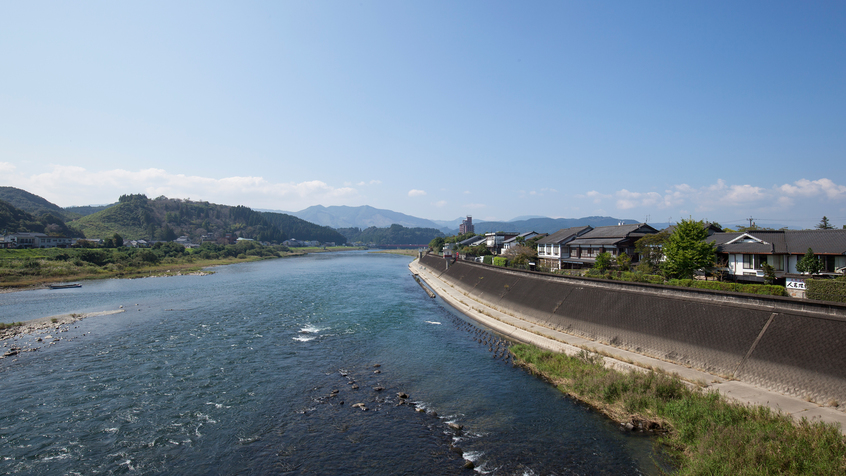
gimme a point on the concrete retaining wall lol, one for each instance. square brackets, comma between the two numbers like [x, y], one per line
[795, 347]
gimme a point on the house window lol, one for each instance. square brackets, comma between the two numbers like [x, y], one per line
[828, 262]
[574, 252]
[753, 261]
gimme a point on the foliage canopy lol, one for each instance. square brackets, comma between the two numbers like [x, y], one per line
[686, 250]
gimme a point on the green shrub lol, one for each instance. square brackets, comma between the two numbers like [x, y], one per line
[500, 261]
[826, 289]
[487, 259]
[765, 289]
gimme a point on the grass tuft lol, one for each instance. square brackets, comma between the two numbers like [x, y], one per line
[706, 433]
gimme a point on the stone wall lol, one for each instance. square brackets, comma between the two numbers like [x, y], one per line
[795, 347]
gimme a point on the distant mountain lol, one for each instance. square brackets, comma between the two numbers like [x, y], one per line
[361, 217]
[29, 202]
[447, 225]
[87, 209]
[547, 225]
[525, 217]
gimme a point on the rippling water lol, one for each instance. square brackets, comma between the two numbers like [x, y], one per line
[257, 368]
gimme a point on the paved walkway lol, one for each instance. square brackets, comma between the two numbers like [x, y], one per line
[546, 338]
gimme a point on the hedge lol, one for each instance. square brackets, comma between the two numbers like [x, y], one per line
[634, 277]
[825, 289]
[500, 261]
[487, 259]
[766, 289]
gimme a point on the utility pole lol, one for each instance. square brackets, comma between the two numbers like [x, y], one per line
[750, 221]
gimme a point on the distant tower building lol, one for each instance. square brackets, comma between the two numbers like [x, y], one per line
[466, 226]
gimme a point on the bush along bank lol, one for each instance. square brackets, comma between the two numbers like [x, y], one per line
[705, 432]
[765, 289]
[826, 289]
[31, 267]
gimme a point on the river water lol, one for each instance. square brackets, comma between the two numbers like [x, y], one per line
[257, 369]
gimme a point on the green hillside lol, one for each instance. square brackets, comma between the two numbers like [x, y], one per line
[15, 220]
[29, 202]
[86, 210]
[138, 217]
[392, 235]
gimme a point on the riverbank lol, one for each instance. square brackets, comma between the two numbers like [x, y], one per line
[805, 417]
[398, 252]
[49, 322]
[708, 433]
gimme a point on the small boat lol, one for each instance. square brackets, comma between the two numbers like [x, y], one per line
[65, 286]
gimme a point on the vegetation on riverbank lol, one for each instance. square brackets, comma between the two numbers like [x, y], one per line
[398, 252]
[35, 267]
[707, 433]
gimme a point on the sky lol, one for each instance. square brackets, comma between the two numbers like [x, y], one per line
[652, 111]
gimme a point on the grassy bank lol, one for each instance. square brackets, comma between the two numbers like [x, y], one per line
[37, 267]
[705, 432]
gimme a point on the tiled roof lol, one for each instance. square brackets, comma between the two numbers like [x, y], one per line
[524, 235]
[597, 241]
[783, 242]
[563, 235]
[619, 231]
[821, 241]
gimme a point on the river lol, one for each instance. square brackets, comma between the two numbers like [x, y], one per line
[258, 369]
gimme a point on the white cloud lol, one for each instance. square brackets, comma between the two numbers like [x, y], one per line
[627, 199]
[416, 193]
[474, 206]
[440, 204]
[71, 185]
[6, 168]
[796, 199]
[807, 188]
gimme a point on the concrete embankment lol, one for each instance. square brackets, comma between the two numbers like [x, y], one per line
[779, 352]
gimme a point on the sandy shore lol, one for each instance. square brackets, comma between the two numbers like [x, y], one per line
[49, 322]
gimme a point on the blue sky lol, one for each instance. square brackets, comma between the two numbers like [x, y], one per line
[666, 110]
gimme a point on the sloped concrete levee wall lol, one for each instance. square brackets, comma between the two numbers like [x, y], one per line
[794, 347]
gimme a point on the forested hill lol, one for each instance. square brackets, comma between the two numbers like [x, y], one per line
[138, 217]
[29, 202]
[393, 235]
[86, 210]
[15, 220]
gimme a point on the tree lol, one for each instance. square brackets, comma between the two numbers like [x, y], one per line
[521, 254]
[437, 244]
[769, 273]
[118, 240]
[686, 250]
[603, 261]
[824, 224]
[809, 263]
[651, 251]
[624, 261]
